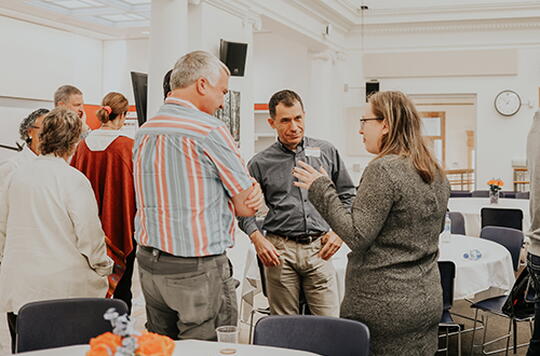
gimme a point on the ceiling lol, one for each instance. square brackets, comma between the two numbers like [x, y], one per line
[110, 19]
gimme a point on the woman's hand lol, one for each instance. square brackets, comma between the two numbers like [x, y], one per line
[307, 175]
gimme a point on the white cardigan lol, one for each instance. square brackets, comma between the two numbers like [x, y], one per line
[54, 244]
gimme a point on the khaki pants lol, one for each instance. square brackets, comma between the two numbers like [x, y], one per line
[301, 267]
[187, 298]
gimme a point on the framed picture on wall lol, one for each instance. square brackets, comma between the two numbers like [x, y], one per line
[230, 114]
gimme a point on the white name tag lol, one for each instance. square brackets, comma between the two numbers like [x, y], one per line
[313, 152]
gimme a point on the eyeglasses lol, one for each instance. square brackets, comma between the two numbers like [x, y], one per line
[364, 119]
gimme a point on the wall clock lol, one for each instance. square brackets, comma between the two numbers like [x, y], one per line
[507, 102]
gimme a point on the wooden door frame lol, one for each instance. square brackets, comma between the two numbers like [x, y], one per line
[441, 115]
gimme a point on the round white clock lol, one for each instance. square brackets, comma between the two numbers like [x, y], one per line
[507, 102]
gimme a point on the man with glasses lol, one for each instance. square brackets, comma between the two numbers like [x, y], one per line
[298, 242]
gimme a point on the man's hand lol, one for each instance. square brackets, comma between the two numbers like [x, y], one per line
[265, 250]
[255, 199]
[331, 244]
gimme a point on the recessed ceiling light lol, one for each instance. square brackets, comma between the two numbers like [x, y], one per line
[72, 4]
[137, 2]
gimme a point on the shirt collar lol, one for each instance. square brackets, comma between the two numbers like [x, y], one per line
[299, 148]
[181, 102]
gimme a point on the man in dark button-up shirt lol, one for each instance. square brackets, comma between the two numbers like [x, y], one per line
[298, 242]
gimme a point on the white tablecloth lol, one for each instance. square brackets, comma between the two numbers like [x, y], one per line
[188, 348]
[493, 269]
[471, 207]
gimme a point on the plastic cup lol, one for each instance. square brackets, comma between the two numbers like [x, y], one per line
[227, 333]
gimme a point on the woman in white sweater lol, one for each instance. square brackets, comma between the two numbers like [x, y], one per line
[54, 246]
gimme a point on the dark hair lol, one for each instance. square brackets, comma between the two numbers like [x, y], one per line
[118, 104]
[286, 97]
[28, 122]
[167, 84]
[60, 132]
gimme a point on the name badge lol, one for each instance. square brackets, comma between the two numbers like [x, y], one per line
[313, 152]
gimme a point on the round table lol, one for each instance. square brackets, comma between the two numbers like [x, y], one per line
[471, 207]
[187, 347]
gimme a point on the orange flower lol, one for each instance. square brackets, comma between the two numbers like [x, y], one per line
[496, 182]
[104, 344]
[151, 344]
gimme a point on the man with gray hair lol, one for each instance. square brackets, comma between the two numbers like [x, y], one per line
[190, 182]
[70, 97]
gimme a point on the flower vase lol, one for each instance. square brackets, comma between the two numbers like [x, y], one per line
[494, 197]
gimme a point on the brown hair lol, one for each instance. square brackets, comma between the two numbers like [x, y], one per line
[285, 97]
[404, 135]
[118, 104]
[60, 132]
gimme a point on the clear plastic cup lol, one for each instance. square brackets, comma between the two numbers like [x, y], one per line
[227, 333]
[472, 255]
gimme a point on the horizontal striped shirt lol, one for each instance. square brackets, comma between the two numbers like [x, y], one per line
[186, 169]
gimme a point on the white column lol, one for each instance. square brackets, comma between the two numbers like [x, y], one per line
[324, 115]
[168, 42]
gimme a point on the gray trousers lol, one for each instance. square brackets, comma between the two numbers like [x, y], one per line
[187, 297]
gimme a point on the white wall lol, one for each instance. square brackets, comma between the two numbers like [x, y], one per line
[36, 60]
[499, 140]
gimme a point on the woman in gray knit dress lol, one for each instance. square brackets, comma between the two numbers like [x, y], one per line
[392, 281]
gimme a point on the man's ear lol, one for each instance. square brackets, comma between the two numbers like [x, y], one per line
[271, 122]
[202, 86]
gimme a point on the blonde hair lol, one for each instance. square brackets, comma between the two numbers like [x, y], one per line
[61, 131]
[404, 135]
[118, 105]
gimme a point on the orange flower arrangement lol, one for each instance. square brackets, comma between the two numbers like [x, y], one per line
[495, 184]
[125, 341]
[149, 344]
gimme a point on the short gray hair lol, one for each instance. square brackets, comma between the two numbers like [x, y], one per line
[195, 65]
[60, 132]
[28, 122]
[63, 93]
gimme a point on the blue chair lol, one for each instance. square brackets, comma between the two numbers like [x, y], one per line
[458, 223]
[460, 194]
[323, 335]
[494, 305]
[506, 194]
[63, 322]
[510, 238]
[480, 194]
[447, 269]
[512, 218]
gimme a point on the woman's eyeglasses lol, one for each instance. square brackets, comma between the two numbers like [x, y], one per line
[364, 119]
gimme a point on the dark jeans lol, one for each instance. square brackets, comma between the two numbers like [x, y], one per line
[12, 322]
[123, 289]
[533, 264]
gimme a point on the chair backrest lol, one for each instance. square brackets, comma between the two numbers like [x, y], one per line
[63, 322]
[458, 222]
[510, 238]
[323, 335]
[506, 194]
[447, 269]
[460, 194]
[522, 195]
[502, 217]
[480, 194]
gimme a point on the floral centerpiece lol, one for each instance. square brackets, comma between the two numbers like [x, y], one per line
[125, 341]
[495, 186]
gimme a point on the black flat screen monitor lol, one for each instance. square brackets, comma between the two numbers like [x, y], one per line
[140, 90]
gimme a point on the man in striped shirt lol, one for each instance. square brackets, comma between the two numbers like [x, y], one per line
[190, 182]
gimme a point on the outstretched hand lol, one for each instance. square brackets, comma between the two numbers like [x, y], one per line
[306, 175]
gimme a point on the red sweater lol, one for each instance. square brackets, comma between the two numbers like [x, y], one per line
[111, 174]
